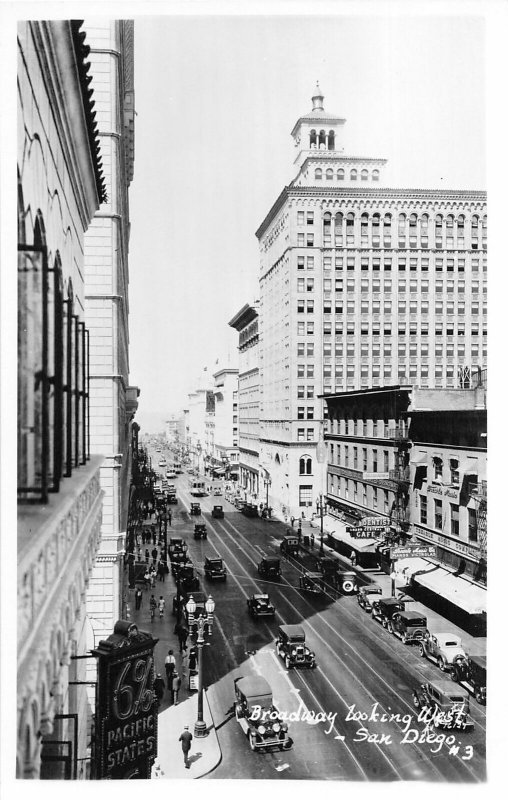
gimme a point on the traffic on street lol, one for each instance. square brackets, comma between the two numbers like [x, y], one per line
[356, 708]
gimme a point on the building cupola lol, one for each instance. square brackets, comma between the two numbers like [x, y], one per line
[318, 130]
[317, 99]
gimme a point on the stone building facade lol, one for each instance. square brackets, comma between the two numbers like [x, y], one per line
[361, 285]
[60, 187]
[112, 401]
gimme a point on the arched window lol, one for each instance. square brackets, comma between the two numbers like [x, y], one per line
[327, 225]
[449, 226]
[305, 465]
[318, 174]
[313, 138]
[329, 174]
[424, 223]
[353, 174]
[322, 140]
[402, 224]
[350, 223]
[338, 224]
[474, 225]
[364, 175]
[364, 224]
[340, 174]
[387, 223]
[412, 223]
[331, 140]
[375, 174]
[438, 222]
[376, 221]
[460, 224]
[484, 225]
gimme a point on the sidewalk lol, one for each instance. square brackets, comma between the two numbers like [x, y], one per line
[205, 753]
[474, 645]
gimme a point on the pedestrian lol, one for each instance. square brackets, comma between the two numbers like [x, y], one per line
[146, 578]
[160, 571]
[193, 659]
[186, 739]
[353, 558]
[153, 606]
[169, 518]
[139, 598]
[159, 687]
[143, 535]
[312, 540]
[153, 575]
[162, 605]
[177, 682]
[292, 521]
[169, 666]
[182, 633]
[155, 554]
[147, 555]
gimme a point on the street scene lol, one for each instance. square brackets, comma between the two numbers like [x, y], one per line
[251, 334]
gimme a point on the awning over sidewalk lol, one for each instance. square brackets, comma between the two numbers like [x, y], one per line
[406, 567]
[455, 589]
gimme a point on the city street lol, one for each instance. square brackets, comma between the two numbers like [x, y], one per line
[363, 672]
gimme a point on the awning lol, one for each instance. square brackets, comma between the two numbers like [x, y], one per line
[457, 590]
[404, 568]
[420, 475]
[219, 471]
[469, 480]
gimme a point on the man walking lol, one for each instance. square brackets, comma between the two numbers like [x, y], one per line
[176, 684]
[186, 739]
[169, 665]
[139, 598]
[159, 686]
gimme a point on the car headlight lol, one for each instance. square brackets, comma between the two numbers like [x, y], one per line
[276, 727]
[293, 652]
[262, 729]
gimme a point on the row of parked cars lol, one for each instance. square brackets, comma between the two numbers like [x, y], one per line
[443, 649]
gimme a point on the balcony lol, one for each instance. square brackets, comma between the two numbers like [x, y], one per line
[400, 475]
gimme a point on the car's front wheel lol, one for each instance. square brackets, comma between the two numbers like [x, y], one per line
[416, 701]
[287, 662]
[422, 650]
[252, 740]
[441, 664]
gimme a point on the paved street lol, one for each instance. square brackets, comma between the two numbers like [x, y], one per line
[361, 668]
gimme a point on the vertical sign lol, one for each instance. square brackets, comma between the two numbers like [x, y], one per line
[126, 705]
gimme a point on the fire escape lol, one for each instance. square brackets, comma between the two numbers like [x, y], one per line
[478, 493]
[399, 512]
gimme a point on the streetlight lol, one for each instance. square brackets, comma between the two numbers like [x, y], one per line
[200, 726]
[321, 458]
[268, 482]
[322, 508]
[198, 450]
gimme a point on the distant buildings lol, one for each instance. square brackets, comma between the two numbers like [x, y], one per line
[361, 286]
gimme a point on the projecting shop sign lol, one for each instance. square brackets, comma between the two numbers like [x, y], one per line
[125, 744]
[423, 551]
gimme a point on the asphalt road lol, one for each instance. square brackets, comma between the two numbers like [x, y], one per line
[362, 670]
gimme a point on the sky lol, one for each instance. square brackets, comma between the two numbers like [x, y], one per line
[216, 99]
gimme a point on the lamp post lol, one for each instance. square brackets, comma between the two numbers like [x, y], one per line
[268, 482]
[200, 726]
[198, 451]
[321, 458]
[321, 508]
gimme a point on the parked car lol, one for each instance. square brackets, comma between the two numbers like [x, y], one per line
[170, 474]
[259, 605]
[195, 509]
[218, 512]
[384, 609]
[215, 569]
[447, 705]
[249, 509]
[176, 545]
[269, 568]
[290, 646]
[289, 546]
[171, 498]
[312, 582]
[187, 578]
[444, 649]
[217, 492]
[179, 561]
[200, 531]
[409, 626]
[367, 594]
[346, 582]
[257, 716]
[471, 673]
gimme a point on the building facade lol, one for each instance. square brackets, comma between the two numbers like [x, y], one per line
[246, 322]
[448, 490]
[225, 419]
[361, 286]
[112, 401]
[60, 187]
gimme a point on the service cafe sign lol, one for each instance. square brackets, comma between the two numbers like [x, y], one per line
[125, 745]
[369, 527]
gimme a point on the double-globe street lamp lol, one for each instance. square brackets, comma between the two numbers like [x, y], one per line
[321, 509]
[268, 482]
[201, 622]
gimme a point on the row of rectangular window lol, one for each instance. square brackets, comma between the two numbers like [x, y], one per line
[308, 329]
[401, 263]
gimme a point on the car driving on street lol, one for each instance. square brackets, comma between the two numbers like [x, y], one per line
[259, 605]
[269, 568]
[257, 715]
[290, 646]
[215, 569]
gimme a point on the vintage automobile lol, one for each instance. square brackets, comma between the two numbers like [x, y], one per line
[346, 582]
[367, 594]
[328, 567]
[217, 492]
[269, 568]
[171, 498]
[259, 605]
[257, 715]
[239, 503]
[289, 545]
[384, 609]
[446, 705]
[312, 582]
[200, 531]
[249, 509]
[409, 626]
[217, 512]
[215, 569]
[195, 509]
[179, 561]
[444, 649]
[176, 545]
[471, 673]
[290, 646]
[187, 578]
